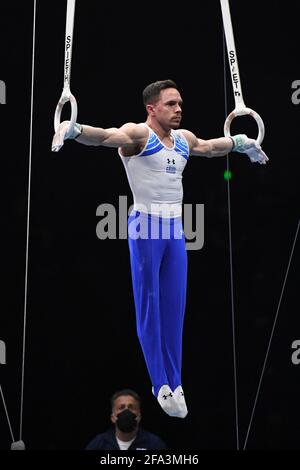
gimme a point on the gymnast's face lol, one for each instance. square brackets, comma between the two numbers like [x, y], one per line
[168, 109]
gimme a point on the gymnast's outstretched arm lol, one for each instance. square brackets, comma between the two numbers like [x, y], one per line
[127, 135]
[223, 145]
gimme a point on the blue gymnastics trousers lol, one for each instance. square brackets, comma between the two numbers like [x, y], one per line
[158, 261]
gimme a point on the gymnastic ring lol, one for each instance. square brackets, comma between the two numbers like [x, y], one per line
[241, 112]
[65, 97]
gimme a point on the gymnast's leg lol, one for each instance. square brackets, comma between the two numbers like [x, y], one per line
[145, 259]
[173, 280]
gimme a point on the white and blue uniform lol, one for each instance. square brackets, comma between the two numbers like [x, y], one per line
[158, 255]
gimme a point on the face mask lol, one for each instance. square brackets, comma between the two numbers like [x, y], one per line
[126, 421]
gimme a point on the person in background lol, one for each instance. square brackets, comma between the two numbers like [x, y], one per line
[126, 432]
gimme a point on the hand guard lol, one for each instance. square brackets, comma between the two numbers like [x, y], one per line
[63, 133]
[243, 144]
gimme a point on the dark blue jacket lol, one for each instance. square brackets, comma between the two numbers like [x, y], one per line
[144, 441]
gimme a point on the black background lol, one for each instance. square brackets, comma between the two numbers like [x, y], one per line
[81, 343]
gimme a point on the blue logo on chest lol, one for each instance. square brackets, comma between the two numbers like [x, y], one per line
[171, 168]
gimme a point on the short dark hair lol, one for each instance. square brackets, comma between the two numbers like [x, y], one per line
[124, 392]
[152, 91]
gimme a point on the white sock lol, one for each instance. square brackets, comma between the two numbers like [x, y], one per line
[167, 401]
[180, 400]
